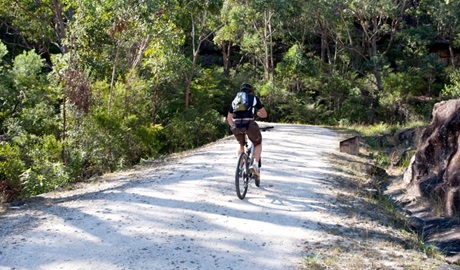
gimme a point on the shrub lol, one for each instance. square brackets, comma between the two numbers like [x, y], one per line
[452, 90]
[11, 165]
[143, 140]
[192, 129]
[43, 177]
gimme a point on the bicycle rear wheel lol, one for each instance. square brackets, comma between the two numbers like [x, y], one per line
[257, 179]
[242, 176]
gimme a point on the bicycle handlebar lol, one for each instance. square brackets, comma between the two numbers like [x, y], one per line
[266, 128]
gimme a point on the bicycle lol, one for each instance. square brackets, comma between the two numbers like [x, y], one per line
[243, 175]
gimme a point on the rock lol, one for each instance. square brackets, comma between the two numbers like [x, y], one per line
[408, 137]
[374, 170]
[415, 223]
[434, 172]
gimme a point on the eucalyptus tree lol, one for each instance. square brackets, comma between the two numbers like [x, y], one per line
[253, 26]
[39, 25]
[230, 33]
[121, 53]
[316, 22]
[198, 19]
[446, 20]
[379, 22]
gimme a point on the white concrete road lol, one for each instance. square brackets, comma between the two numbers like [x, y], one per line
[184, 213]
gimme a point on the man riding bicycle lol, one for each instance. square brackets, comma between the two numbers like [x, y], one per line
[242, 122]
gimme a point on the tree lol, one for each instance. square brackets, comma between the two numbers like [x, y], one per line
[446, 19]
[199, 28]
[378, 23]
[252, 25]
[36, 24]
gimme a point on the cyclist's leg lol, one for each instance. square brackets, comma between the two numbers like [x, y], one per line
[255, 136]
[239, 134]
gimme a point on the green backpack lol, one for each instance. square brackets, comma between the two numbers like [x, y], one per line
[241, 102]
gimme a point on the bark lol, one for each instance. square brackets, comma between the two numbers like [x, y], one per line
[60, 27]
[114, 68]
[452, 55]
[226, 50]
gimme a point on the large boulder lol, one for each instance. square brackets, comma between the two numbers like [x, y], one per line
[434, 172]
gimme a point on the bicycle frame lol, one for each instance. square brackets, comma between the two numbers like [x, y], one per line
[249, 149]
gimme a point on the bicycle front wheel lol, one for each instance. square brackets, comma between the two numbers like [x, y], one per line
[242, 176]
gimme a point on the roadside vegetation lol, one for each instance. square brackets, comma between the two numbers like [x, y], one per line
[92, 87]
[374, 232]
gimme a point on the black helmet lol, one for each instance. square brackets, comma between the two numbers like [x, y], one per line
[246, 87]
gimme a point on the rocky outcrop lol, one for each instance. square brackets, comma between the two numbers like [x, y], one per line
[434, 172]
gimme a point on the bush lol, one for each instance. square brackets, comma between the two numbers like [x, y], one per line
[46, 171]
[192, 129]
[452, 90]
[105, 143]
[143, 140]
[43, 177]
[96, 145]
[355, 108]
[11, 165]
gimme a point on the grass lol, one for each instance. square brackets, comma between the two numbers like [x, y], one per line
[382, 128]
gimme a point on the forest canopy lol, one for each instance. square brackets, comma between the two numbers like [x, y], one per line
[89, 87]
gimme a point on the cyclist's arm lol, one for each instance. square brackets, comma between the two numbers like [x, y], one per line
[262, 113]
[260, 110]
[230, 119]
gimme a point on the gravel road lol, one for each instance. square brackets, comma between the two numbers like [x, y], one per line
[183, 212]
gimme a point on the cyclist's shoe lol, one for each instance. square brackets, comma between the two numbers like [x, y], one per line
[255, 171]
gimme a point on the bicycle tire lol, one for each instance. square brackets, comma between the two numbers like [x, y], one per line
[257, 182]
[257, 179]
[242, 176]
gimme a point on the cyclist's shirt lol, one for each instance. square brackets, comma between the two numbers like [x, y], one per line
[255, 106]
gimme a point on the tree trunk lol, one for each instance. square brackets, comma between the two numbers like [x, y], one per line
[60, 26]
[272, 64]
[226, 49]
[190, 77]
[265, 42]
[64, 131]
[452, 55]
[114, 68]
[268, 47]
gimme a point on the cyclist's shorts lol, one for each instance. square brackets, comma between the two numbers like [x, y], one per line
[253, 131]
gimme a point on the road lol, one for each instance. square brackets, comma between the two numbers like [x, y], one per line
[183, 212]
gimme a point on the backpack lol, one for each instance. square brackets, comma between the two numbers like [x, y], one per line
[241, 102]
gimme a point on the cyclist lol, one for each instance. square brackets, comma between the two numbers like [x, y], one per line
[243, 122]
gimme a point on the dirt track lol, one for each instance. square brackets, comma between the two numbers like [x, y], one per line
[183, 213]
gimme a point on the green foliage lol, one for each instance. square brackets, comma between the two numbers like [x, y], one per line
[116, 94]
[206, 86]
[193, 129]
[381, 159]
[46, 177]
[295, 69]
[3, 50]
[26, 67]
[45, 170]
[11, 165]
[106, 142]
[144, 140]
[452, 90]
[355, 108]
